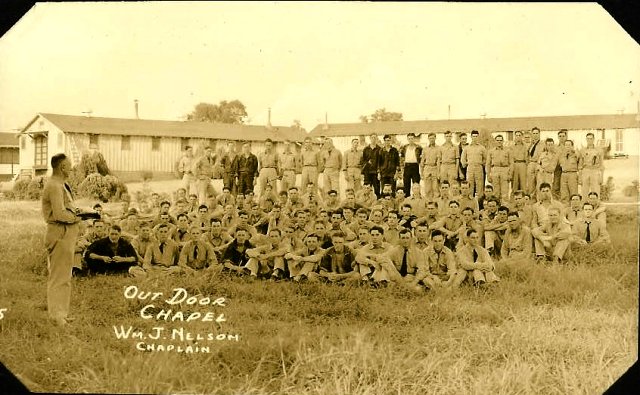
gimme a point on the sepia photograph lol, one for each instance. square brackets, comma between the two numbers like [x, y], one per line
[318, 198]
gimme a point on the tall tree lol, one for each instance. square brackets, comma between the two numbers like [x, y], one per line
[381, 115]
[224, 112]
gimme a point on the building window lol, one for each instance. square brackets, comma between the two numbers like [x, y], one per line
[8, 156]
[125, 144]
[155, 143]
[41, 150]
[619, 145]
[183, 143]
[93, 139]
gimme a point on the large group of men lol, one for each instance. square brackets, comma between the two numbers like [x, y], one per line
[384, 229]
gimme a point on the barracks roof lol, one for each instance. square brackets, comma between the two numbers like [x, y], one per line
[8, 140]
[571, 122]
[156, 128]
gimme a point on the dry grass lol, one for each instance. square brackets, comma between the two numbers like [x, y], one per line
[570, 329]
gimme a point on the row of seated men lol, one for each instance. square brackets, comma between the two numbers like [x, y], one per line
[415, 245]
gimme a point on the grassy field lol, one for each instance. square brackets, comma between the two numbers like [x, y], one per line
[542, 330]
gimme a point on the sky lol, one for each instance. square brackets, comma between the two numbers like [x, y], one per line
[306, 59]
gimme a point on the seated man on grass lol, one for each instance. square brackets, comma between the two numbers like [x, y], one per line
[517, 239]
[235, 256]
[304, 262]
[475, 262]
[338, 264]
[143, 240]
[373, 260]
[197, 254]
[161, 256]
[110, 255]
[587, 230]
[442, 266]
[552, 238]
[410, 261]
[267, 259]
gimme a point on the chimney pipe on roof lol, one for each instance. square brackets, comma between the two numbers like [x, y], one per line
[326, 121]
[135, 102]
[269, 118]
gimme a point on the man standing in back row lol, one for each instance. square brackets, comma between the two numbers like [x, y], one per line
[474, 157]
[410, 155]
[59, 212]
[370, 164]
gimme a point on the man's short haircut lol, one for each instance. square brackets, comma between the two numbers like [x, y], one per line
[393, 212]
[311, 235]
[215, 219]
[57, 159]
[576, 194]
[513, 214]
[468, 209]
[404, 231]
[488, 186]
[356, 139]
[160, 226]
[378, 228]
[501, 136]
[243, 212]
[432, 203]
[338, 234]
[362, 210]
[593, 193]
[193, 195]
[181, 189]
[436, 232]
[386, 137]
[349, 190]
[144, 224]
[562, 131]
[519, 192]
[464, 183]
[544, 185]
[549, 140]
[293, 188]
[591, 134]
[431, 134]
[203, 206]
[535, 128]
[587, 204]
[492, 199]
[454, 202]
[95, 221]
[242, 229]
[268, 141]
[475, 133]
[275, 230]
[445, 182]
[470, 231]
[332, 191]
[182, 215]
[164, 202]
[503, 209]
[115, 227]
[97, 205]
[556, 209]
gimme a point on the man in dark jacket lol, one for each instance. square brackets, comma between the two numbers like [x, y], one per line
[111, 254]
[389, 163]
[245, 169]
[370, 163]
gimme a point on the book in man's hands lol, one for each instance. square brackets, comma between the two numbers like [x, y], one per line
[85, 215]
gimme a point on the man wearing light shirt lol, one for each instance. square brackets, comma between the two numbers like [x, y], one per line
[410, 156]
[59, 212]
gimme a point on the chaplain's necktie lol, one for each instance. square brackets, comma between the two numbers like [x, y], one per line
[403, 267]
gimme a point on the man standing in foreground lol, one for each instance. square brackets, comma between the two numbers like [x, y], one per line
[62, 231]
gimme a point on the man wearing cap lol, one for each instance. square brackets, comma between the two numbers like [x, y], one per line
[332, 164]
[245, 169]
[311, 164]
[499, 168]
[410, 156]
[534, 151]
[228, 178]
[353, 172]
[474, 157]
[269, 166]
[185, 167]
[389, 163]
[429, 165]
[519, 169]
[203, 171]
[290, 165]
[449, 158]
[591, 164]
[370, 164]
